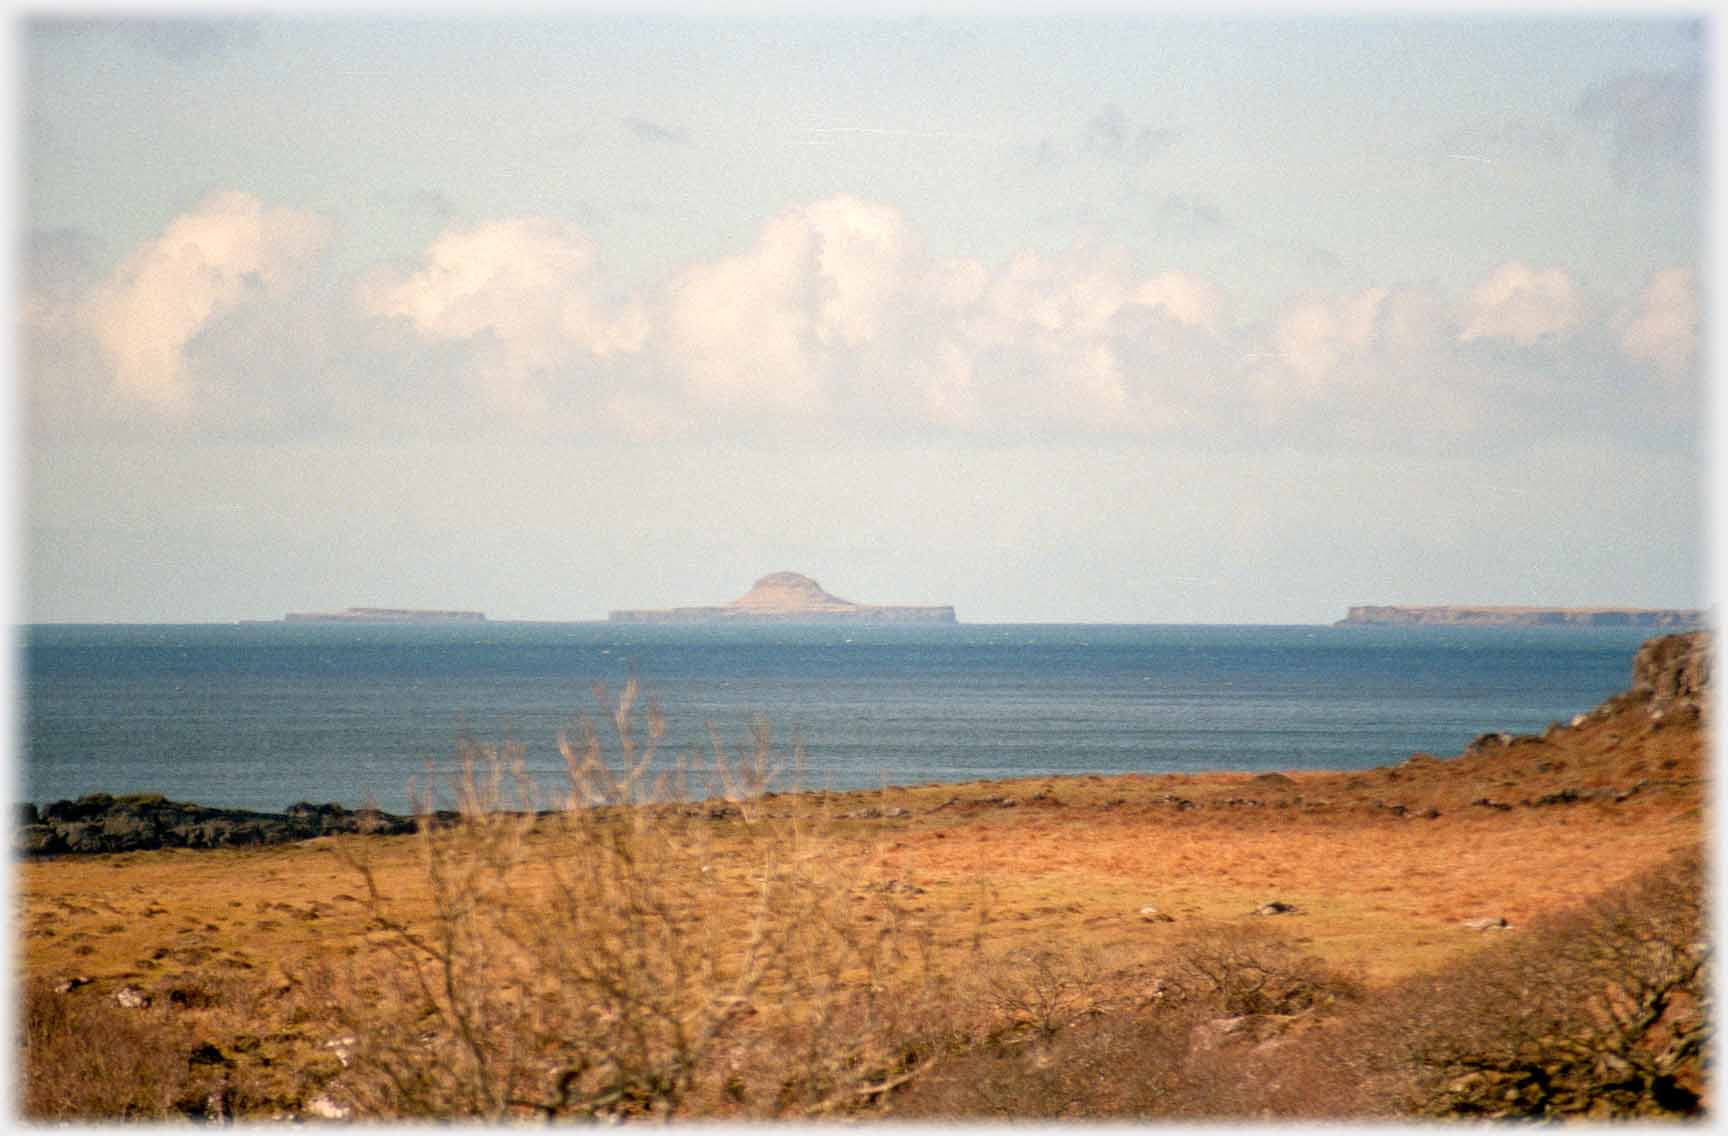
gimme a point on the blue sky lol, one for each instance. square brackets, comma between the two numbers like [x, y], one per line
[1052, 318]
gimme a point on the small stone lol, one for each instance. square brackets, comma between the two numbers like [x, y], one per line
[1495, 924]
[324, 1108]
[1152, 915]
[131, 998]
[1277, 907]
[342, 1047]
[72, 984]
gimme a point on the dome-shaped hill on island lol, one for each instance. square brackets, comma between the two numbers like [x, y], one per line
[790, 597]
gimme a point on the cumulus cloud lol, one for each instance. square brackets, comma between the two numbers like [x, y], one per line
[837, 312]
[230, 251]
[833, 320]
[1187, 299]
[1522, 304]
[836, 317]
[746, 327]
[1662, 327]
[526, 290]
[1314, 336]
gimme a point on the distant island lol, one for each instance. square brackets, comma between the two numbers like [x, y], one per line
[1445, 615]
[384, 615]
[788, 597]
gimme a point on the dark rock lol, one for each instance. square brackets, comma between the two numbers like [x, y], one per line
[82, 809]
[1488, 743]
[1277, 907]
[100, 823]
[207, 1054]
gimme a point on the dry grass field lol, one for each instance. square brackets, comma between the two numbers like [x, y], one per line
[857, 937]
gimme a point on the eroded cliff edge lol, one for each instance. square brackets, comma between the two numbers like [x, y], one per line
[1447, 615]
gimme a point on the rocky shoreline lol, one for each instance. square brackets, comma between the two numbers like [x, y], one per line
[1670, 684]
[143, 822]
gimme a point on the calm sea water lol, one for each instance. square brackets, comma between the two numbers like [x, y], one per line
[260, 716]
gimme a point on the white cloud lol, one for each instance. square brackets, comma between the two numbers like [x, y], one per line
[833, 321]
[1662, 328]
[1522, 304]
[1187, 299]
[229, 251]
[529, 289]
[1315, 336]
[760, 328]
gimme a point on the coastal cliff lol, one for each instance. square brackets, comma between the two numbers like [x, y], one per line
[788, 597]
[1445, 615]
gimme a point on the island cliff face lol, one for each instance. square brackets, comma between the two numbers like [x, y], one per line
[788, 597]
[1491, 616]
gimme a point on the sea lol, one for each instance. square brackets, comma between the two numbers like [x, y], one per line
[263, 715]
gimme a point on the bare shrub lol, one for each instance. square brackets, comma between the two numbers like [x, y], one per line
[1040, 992]
[1238, 970]
[1602, 1012]
[625, 955]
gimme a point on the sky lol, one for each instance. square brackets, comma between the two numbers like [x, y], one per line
[1119, 317]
